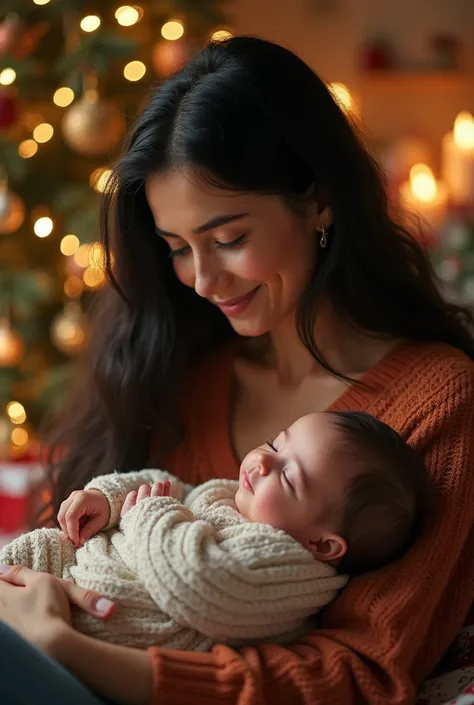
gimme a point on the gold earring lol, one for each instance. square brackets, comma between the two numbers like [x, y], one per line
[323, 241]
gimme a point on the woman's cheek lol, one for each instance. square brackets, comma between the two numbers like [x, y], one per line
[184, 270]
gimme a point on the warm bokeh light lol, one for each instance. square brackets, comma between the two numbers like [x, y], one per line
[43, 227]
[423, 183]
[63, 97]
[463, 130]
[126, 15]
[172, 30]
[7, 77]
[20, 436]
[27, 149]
[99, 179]
[81, 257]
[220, 35]
[41, 2]
[73, 287]
[43, 132]
[90, 23]
[16, 412]
[69, 245]
[134, 70]
[93, 277]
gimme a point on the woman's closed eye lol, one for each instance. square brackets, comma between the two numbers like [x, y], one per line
[237, 242]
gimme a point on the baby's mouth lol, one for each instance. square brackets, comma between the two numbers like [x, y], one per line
[247, 484]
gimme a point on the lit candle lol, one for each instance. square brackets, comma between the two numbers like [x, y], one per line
[425, 196]
[458, 159]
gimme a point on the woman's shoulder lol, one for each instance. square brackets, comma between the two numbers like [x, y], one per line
[436, 368]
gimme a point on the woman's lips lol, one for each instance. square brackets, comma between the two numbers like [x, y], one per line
[235, 307]
[247, 484]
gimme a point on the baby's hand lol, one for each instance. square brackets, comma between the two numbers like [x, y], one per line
[158, 489]
[83, 514]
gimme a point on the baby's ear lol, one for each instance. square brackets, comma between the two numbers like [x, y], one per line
[328, 547]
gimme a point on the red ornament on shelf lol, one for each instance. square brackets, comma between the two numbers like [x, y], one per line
[9, 110]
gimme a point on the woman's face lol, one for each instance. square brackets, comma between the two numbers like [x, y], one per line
[247, 254]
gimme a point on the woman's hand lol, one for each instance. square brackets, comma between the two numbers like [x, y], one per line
[38, 605]
[158, 489]
[83, 514]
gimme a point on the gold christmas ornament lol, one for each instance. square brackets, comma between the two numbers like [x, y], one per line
[69, 329]
[93, 127]
[11, 345]
[169, 56]
[12, 213]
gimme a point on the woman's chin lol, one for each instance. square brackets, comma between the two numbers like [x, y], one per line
[249, 328]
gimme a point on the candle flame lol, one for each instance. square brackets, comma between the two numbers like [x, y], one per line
[463, 131]
[423, 184]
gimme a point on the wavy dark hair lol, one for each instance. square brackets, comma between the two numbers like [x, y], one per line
[249, 115]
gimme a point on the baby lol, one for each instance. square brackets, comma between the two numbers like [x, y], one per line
[238, 562]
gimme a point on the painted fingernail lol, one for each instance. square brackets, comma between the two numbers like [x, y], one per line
[4, 568]
[104, 605]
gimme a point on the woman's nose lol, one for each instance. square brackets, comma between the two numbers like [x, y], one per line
[209, 279]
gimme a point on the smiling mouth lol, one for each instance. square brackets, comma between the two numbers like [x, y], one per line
[234, 307]
[247, 484]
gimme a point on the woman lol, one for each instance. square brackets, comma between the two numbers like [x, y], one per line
[256, 271]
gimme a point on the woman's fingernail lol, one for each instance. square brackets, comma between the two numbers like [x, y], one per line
[104, 605]
[4, 568]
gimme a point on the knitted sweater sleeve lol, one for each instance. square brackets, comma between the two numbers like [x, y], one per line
[240, 582]
[384, 634]
[116, 486]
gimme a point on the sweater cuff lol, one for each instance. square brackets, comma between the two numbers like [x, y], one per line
[187, 677]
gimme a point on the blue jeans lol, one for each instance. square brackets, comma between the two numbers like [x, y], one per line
[29, 677]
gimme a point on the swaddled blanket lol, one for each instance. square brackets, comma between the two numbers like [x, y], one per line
[185, 571]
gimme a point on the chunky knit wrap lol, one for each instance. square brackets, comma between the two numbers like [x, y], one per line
[185, 571]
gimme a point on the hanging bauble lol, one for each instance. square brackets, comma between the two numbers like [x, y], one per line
[93, 127]
[11, 345]
[12, 213]
[169, 56]
[69, 329]
[9, 109]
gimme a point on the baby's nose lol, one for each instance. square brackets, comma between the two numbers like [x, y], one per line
[264, 464]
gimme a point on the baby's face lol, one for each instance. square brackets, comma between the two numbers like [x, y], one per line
[296, 482]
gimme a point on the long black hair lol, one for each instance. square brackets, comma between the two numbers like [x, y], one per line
[248, 115]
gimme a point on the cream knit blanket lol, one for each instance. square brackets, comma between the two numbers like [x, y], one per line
[186, 572]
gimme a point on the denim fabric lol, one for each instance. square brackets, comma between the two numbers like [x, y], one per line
[29, 677]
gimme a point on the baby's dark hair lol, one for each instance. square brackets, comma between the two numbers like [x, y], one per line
[388, 501]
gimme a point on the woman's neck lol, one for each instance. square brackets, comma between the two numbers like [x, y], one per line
[347, 350]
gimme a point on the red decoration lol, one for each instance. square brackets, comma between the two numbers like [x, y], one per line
[9, 110]
[20, 480]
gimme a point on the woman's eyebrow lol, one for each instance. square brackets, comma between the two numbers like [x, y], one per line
[215, 222]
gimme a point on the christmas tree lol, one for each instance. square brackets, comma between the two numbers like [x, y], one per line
[73, 76]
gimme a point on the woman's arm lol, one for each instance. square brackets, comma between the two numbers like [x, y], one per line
[119, 673]
[387, 630]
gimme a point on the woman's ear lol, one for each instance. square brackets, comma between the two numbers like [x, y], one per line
[329, 547]
[320, 217]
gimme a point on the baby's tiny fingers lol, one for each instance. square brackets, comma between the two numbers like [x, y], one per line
[156, 489]
[167, 489]
[130, 501]
[143, 492]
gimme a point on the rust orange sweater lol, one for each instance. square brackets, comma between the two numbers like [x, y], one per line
[387, 630]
